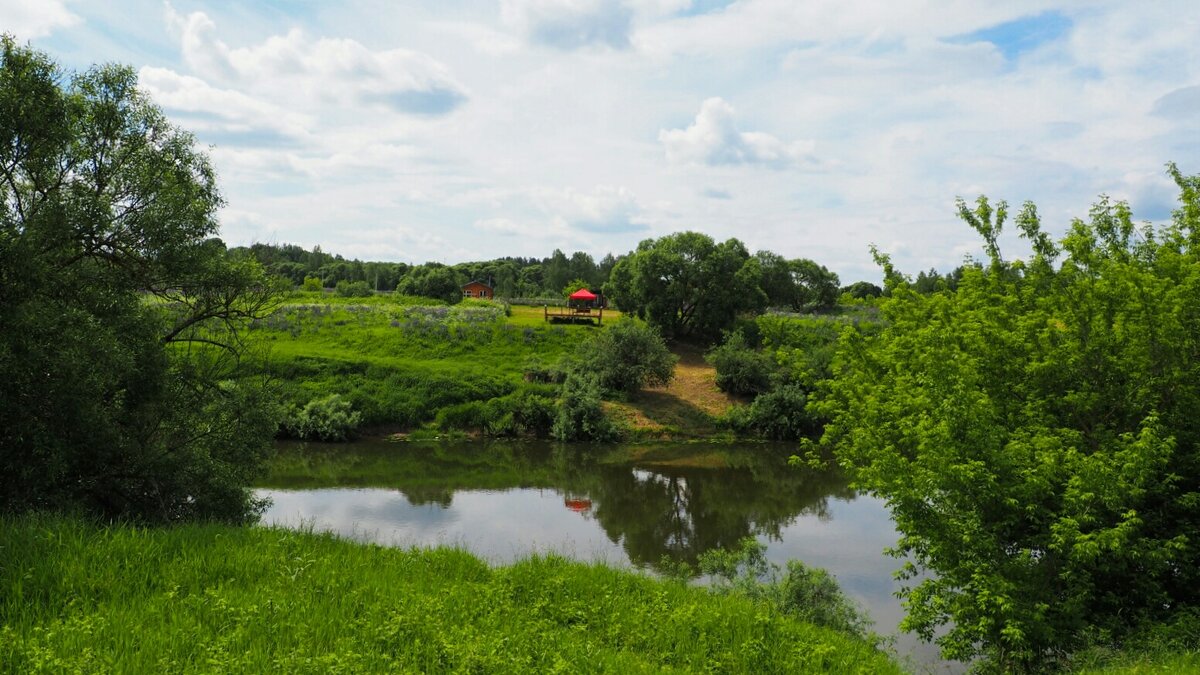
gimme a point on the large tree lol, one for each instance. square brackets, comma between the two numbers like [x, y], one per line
[686, 285]
[1035, 433]
[118, 308]
[799, 285]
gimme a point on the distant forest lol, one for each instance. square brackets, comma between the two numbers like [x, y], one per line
[511, 277]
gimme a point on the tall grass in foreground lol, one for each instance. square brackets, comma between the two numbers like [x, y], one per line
[75, 597]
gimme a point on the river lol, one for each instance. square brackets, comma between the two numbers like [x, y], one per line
[630, 505]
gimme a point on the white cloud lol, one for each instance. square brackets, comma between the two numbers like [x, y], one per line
[513, 228]
[603, 209]
[1181, 104]
[714, 139]
[221, 111]
[570, 24]
[30, 19]
[331, 69]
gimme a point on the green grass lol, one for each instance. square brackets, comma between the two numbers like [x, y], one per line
[400, 363]
[1148, 664]
[75, 597]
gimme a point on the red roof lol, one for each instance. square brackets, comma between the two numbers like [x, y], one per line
[583, 294]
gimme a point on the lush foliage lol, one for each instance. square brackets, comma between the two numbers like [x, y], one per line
[804, 346]
[861, 290]
[353, 289]
[329, 418]
[258, 600]
[799, 285]
[432, 280]
[580, 417]
[808, 593]
[1035, 433]
[626, 356]
[740, 369]
[119, 311]
[511, 277]
[781, 414]
[686, 285]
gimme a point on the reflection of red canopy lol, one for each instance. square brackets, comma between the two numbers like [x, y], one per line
[583, 294]
[577, 505]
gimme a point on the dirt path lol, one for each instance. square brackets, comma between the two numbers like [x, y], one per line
[685, 407]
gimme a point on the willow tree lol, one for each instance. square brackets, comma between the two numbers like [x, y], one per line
[1035, 433]
[119, 309]
[686, 285]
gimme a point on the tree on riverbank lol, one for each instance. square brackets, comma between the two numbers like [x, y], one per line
[119, 309]
[1035, 435]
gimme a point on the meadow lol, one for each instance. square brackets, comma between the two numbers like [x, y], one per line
[400, 360]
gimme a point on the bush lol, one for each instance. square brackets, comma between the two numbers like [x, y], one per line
[579, 416]
[740, 370]
[312, 284]
[807, 593]
[780, 415]
[812, 594]
[469, 416]
[330, 418]
[523, 413]
[626, 356]
[484, 302]
[536, 371]
[353, 289]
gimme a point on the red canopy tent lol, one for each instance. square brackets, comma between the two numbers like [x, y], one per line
[579, 309]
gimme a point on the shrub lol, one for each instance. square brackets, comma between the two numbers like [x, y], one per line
[579, 416]
[312, 284]
[780, 415]
[353, 289]
[626, 356]
[330, 418]
[484, 302]
[812, 594]
[469, 416]
[536, 371]
[524, 412]
[740, 370]
[808, 593]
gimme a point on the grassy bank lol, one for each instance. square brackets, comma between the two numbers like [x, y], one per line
[74, 597]
[399, 362]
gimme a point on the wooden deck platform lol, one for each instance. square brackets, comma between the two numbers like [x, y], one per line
[592, 317]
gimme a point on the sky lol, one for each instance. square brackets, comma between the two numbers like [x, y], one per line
[459, 130]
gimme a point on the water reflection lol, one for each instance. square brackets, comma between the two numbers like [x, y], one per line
[652, 503]
[621, 505]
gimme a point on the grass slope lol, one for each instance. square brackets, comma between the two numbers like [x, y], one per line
[686, 408]
[74, 597]
[399, 362]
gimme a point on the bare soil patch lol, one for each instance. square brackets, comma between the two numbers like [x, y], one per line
[687, 407]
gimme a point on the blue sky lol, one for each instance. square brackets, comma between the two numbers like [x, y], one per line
[461, 130]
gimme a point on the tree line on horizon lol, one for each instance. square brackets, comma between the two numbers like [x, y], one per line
[798, 284]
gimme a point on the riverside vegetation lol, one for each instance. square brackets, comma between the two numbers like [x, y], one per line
[1030, 424]
[128, 406]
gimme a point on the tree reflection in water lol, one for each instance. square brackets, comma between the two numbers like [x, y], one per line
[676, 511]
[653, 502]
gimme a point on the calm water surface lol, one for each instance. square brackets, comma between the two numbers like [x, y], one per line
[628, 505]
